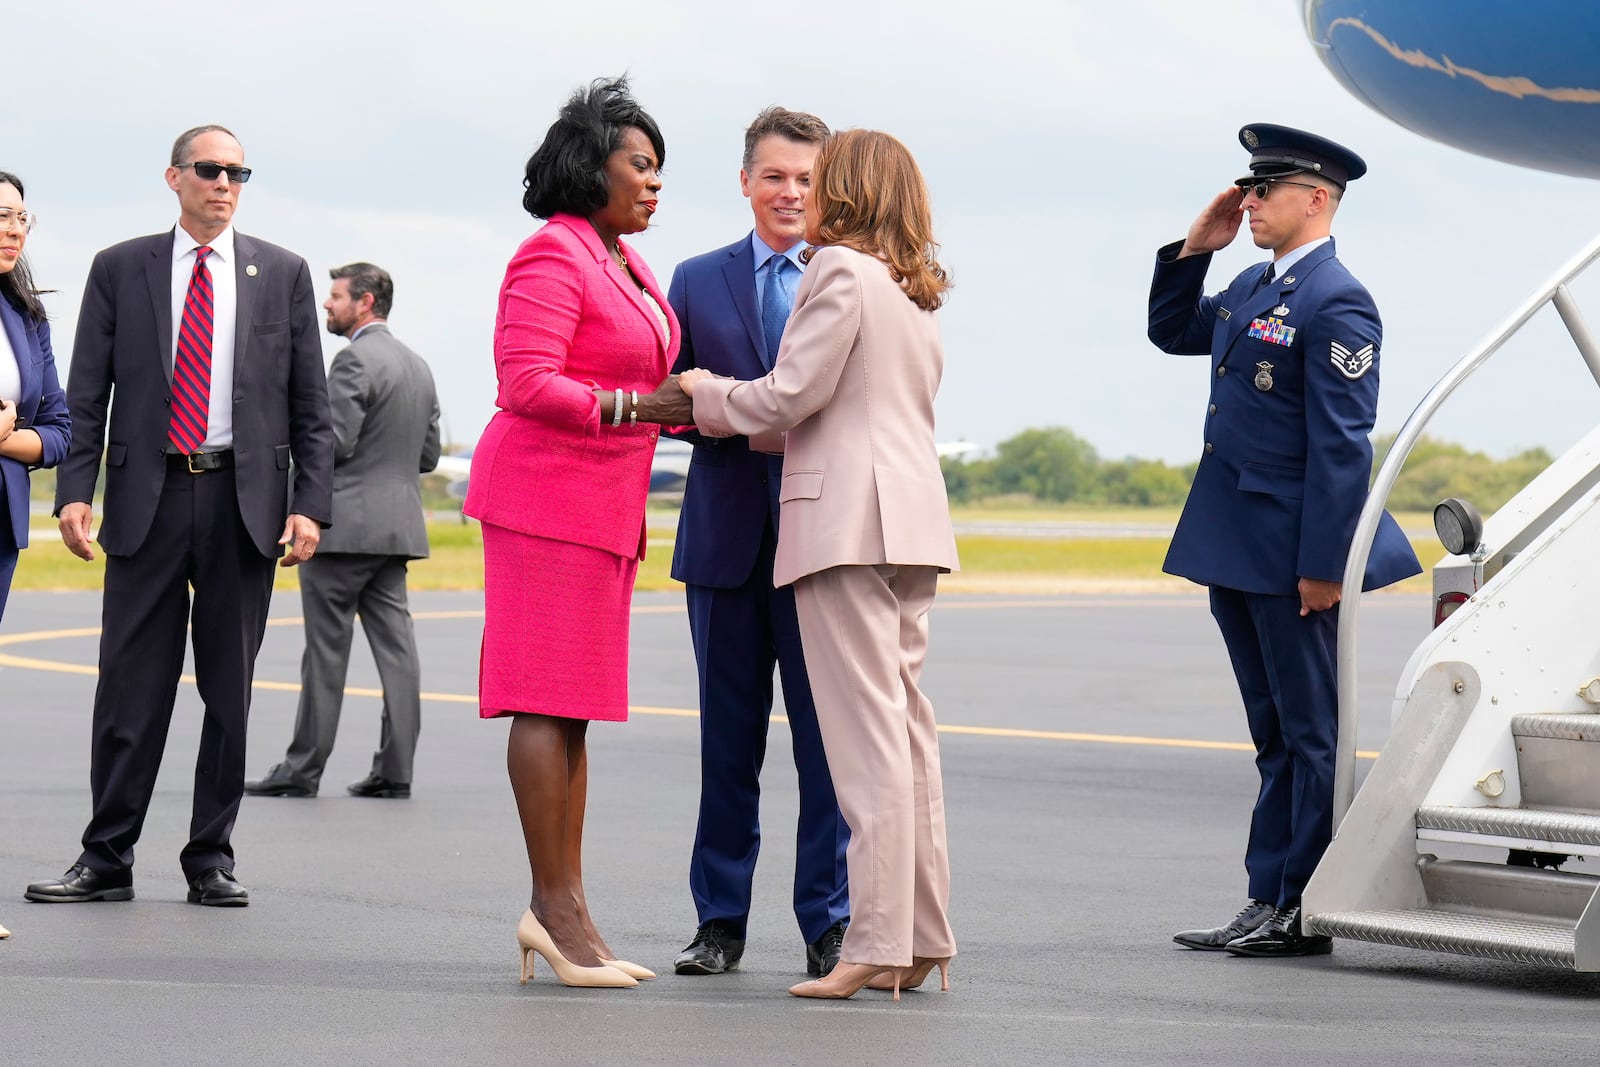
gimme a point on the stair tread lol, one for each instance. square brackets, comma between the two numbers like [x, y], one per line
[1487, 936]
[1561, 726]
[1539, 824]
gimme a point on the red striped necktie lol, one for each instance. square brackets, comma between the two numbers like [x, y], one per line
[191, 370]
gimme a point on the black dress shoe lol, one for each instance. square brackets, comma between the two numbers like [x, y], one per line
[81, 884]
[279, 782]
[1251, 916]
[1281, 936]
[218, 888]
[713, 950]
[373, 786]
[822, 955]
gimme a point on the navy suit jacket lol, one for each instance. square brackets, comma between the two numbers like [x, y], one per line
[280, 392]
[1294, 393]
[732, 491]
[43, 408]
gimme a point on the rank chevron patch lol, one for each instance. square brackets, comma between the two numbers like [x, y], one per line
[1353, 364]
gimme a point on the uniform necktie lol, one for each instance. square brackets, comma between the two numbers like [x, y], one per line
[191, 370]
[774, 308]
[1266, 279]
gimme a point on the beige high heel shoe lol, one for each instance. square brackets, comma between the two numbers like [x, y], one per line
[532, 937]
[913, 976]
[632, 970]
[4, 933]
[844, 981]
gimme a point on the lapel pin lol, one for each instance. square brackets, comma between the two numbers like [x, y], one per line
[1289, 280]
[250, 271]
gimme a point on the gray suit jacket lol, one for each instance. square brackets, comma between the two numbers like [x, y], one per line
[386, 434]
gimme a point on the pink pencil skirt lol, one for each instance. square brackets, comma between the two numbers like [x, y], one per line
[555, 628]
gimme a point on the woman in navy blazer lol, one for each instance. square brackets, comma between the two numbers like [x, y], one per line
[34, 428]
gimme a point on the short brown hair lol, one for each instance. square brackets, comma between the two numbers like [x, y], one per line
[781, 122]
[868, 194]
[180, 147]
[363, 278]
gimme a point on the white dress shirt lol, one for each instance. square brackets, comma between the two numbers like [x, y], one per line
[224, 318]
[1283, 263]
[10, 372]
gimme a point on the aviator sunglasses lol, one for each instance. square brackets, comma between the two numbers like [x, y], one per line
[1264, 186]
[209, 171]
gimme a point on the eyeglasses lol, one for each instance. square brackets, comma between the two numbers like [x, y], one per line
[209, 171]
[1264, 186]
[23, 220]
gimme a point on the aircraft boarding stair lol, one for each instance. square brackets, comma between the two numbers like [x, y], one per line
[1491, 773]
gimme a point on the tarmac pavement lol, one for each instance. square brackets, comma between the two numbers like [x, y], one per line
[1086, 826]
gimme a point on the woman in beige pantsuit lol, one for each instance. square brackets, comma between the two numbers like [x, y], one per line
[864, 531]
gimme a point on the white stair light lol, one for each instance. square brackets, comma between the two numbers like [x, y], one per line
[1492, 784]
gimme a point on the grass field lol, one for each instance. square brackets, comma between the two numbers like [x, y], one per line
[1012, 564]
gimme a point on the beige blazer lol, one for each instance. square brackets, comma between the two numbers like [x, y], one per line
[853, 385]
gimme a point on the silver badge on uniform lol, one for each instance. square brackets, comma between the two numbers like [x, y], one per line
[1289, 280]
[1264, 376]
[1280, 311]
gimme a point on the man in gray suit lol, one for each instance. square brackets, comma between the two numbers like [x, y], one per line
[386, 433]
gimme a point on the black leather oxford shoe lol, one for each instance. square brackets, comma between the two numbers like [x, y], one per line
[279, 782]
[713, 950]
[373, 786]
[1251, 916]
[822, 955]
[218, 888]
[82, 884]
[1281, 936]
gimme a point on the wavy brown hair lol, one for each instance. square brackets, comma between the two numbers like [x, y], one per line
[867, 193]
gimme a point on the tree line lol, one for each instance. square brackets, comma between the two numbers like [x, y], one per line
[1055, 465]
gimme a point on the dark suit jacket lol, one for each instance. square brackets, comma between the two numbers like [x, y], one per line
[732, 490]
[280, 394]
[386, 435]
[1284, 471]
[43, 408]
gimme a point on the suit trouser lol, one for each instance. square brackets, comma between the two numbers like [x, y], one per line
[8, 558]
[866, 637]
[334, 588]
[739, 636]
[196, 539]
[1288, 679]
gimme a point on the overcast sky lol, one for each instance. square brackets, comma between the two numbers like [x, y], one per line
[1063, 142]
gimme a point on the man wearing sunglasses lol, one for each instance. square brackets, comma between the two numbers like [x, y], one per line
[207, 341]
[1282, 478]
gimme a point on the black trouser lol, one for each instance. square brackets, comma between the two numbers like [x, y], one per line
[198, 540]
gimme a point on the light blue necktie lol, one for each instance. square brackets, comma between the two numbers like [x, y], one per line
[774, 308]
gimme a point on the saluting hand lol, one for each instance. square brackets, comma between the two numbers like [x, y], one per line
[301, 535]
[1217, 225]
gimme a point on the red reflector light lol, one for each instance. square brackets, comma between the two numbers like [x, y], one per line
[1445, 604]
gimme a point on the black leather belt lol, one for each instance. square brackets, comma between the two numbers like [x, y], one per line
[199, 462]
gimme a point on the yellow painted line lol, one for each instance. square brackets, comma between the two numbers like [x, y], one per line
[58, 667]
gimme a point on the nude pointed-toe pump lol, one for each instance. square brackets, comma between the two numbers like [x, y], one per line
[845, 980]
[632, 970]
[913, 976]
[533, 938]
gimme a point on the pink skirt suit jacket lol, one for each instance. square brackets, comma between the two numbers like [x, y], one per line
[560, 491]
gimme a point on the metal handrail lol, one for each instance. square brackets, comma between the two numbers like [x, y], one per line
[1553, 291]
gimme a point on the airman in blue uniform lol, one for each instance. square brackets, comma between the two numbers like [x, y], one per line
[1295, 347]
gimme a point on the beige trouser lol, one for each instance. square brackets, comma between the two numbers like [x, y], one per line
[865, 631]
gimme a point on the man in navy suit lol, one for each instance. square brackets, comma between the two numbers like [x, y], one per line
[198, 369]
[731, 306]
[1283, 476]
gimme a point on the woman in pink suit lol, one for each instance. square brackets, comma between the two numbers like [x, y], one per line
[582, 337]
[864, 532]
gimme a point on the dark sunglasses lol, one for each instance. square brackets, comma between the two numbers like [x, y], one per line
[1264, 186]
[209, 171]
